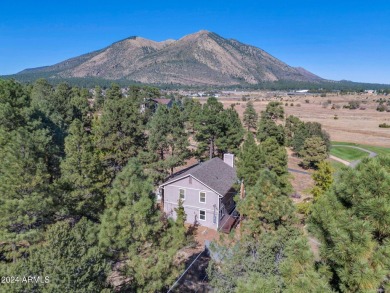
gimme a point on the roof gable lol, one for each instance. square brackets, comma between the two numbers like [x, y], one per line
[214, 174]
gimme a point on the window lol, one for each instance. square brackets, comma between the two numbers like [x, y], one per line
[182, 194]
[202, 215]
[202, 197]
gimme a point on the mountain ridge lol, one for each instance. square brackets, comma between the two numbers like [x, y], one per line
[201, 58]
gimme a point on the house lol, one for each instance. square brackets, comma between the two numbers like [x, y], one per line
[207, 192]
[152, 104]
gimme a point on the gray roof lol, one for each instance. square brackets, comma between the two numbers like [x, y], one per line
[214, 173]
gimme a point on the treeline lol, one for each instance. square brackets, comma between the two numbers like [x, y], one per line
[281, 85]
[77, 183]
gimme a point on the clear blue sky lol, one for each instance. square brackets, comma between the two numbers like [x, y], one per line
[333, 39]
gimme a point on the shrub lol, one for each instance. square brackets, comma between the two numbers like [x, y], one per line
[298, 105]
[304, 208]
[307, 101]
[286, 104]
[354, 105]
[335, 117]
[323, 95]
[384, 125]
[381, 108]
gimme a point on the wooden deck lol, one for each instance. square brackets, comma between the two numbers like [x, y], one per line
[228, 221]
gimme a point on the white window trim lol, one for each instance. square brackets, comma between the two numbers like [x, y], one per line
[204, 196]
[184, 193]
[204, 215]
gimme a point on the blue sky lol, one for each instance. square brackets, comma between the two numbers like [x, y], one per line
[333, 39]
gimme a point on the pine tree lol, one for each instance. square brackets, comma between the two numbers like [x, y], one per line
[323, 179]
[119, 132]
[275, 156]
[250, 161]
[298, 269]
[274, 111]
[99, 98]
[82, 174]
[14, 99]
[177, 139]
[26, 204]
[208, 127]
[313, 152]
[68, 260]
[167, 141]
[352, 222]
[292, 124]
[250, 116]
[232, 132]
[265, 207]
[192, 112]
[132, 230]
[268, 128]
[130, 217]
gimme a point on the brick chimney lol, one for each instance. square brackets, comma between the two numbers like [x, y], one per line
[229, 159]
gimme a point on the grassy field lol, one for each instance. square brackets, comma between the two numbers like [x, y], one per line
[337, 166]
[376, 149]
[348, 154]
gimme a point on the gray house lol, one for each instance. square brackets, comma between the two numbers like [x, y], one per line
[207, 193]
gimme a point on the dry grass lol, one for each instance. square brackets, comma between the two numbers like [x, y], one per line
[357, 126]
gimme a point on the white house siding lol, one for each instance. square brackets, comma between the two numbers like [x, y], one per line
[191, 204]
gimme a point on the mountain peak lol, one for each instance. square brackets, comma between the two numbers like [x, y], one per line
[200, 58]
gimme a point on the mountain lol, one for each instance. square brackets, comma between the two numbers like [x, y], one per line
[202, 58]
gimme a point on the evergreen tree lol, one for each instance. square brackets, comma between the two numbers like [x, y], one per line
[352, 222]
[14, 99]
[177, 139]
[268, 128]
[300, 135]
[298, 131]
[265, 207]
[192, 111]
[313, 152]
[119, 132]
[274, 111]
[99, 98]
[250, 161]
[232, 132]
[80, 104]
[83, 178]
[132, 230]
[275, 156]
[26, 204]
[68, 261]
[250, 116]
[208, 126]
[292, 124]
[167, 141]
[298, 269]
[323, 179]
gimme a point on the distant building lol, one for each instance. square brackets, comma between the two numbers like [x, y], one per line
[152, 104]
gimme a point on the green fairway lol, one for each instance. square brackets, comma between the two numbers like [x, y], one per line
[348, 154]
[336, 165]
[376, 149]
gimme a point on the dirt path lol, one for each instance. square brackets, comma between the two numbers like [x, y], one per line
[346, 163]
